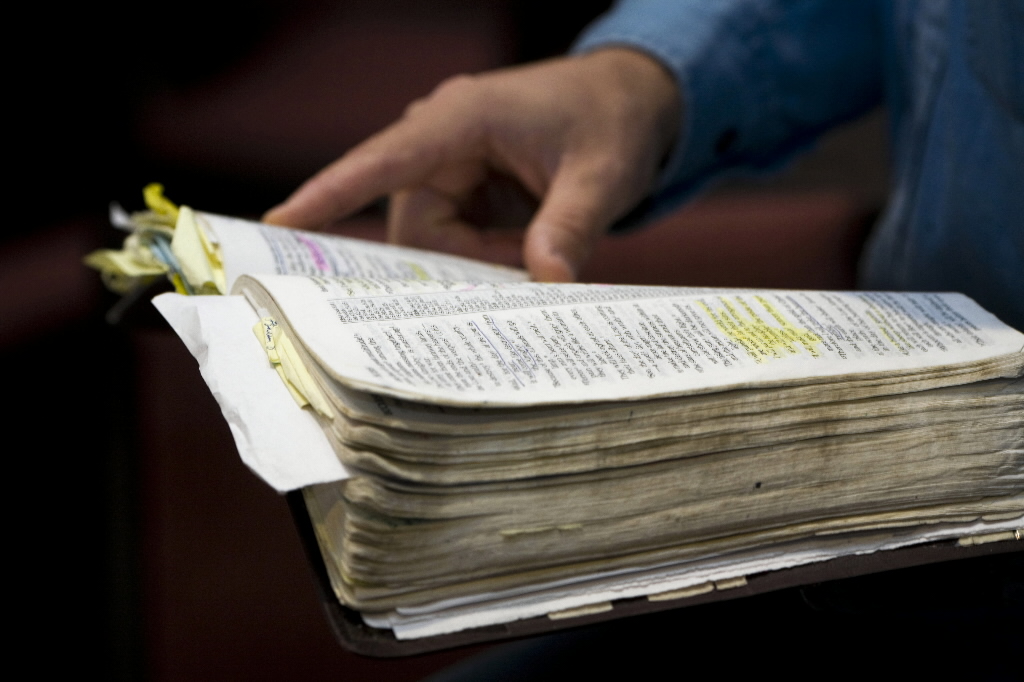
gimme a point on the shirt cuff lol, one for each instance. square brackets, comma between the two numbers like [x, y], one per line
[711, 51]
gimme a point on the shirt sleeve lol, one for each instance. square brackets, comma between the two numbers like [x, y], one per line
[759, 79]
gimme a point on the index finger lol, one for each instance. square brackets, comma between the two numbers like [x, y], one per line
[400, 156]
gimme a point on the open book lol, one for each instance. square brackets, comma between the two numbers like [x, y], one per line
[475, 449]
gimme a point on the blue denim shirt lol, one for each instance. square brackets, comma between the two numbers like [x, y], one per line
[761, 79]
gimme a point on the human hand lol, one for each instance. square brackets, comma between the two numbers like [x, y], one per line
[583, 136]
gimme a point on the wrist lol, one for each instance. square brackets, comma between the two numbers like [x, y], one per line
[647, 86]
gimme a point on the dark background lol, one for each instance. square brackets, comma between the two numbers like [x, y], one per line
[143, 548]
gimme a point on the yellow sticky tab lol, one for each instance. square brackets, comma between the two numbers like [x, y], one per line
[683, 593]
[289, 367]
[140, 251]
[179, 286]
[189, 246]
[123, 271]
[299, 376]
[213, 255]
[263, 331]
[122, 263]
[731, 583]
[299, 399]
[153, 194]
[989, 537]
[588, 610]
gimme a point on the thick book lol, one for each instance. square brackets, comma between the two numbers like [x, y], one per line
[477, 453]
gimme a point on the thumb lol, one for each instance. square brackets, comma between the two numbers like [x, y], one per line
[579, 207]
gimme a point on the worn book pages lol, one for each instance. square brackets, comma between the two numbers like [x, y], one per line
[530, 344]
[475, 448]
[580, 429]
[674, 582]
[248, 248]
[462, 457]
[205, 253]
